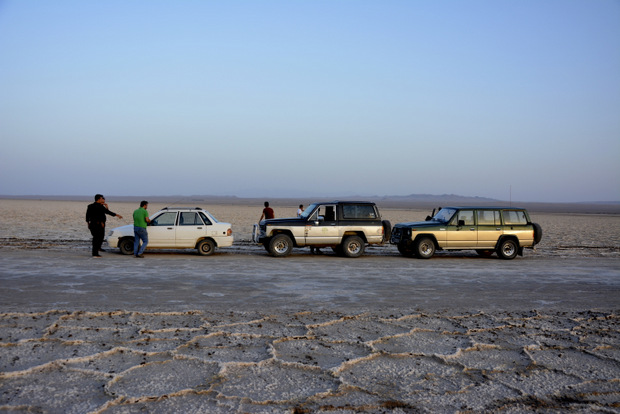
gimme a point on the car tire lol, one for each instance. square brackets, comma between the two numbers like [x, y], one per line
[424, 248]
[126, 245]
[205, 247]
[537, 233]
[406, 249]
[508, 249]
[353, 246]
[485, 253]
[280, 245]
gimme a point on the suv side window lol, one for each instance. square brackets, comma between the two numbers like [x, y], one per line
[190, 219]
[357, 211]
[514, 217]
[489, 218]
[467, 216]
[166, 219]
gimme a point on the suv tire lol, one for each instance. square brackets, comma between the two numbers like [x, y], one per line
[126, 245]
[280, 245]
[353, 246]
[508, 249]
[406, 250]
[424, 248]
[537, 233]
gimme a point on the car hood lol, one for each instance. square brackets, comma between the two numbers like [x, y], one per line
[283, 221]
[421, 224]
[127, 229]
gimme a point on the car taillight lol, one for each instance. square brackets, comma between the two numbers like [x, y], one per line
[228, 232]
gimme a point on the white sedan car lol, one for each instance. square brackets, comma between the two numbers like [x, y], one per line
[177, 228]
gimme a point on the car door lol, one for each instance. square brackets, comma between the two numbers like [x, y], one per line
[516, 223]
[489, 228]
[162, 230]
[461, 233]
[190, 228]
[322, 228]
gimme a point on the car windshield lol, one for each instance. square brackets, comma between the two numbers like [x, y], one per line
[444, 215]
[308, 211]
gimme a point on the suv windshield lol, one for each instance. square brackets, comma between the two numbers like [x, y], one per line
[308, 211]
[444, 215]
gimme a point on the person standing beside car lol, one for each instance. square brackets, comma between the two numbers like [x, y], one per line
[267, 213]
[95, 217]
[140, 222]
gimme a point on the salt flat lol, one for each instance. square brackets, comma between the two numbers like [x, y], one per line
[244, 332]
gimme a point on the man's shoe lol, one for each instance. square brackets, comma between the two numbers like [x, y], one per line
[96, 256]
[140, 256]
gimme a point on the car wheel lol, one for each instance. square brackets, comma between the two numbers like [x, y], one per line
[353, 246]
[406, 250]
[508, 249]
[280, 245]
[485, 253]
[205, 247]
[425, 248]
[126, 245]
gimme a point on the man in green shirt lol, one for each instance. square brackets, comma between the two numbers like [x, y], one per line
[140, 221]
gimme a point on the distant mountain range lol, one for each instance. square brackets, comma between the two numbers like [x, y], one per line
[411, 201]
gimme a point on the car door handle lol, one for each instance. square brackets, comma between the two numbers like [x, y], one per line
[472, 229]
[199, 228]
[170, 228]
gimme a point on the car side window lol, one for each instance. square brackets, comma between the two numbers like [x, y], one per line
[205, 219]
[465, 216]
[488, 218]
[514, 217]
[356, 211]
[165, 219]
[190, 219]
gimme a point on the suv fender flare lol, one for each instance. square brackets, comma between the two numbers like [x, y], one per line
[287, 232]
[355, 233]
[430, 236]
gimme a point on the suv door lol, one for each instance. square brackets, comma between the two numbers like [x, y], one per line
[322, 228]
[190, 228]
[516, 222]
[489, 228]
[162, 230]
[462, 232]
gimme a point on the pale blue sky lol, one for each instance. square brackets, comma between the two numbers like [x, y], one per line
[305, 98]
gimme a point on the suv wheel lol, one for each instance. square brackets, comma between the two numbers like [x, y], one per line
[405, 249]
[205, 247]
[126, 245]
[425, 248]
[353, 246]
[280, 245]
[508, 249]
[485, 253]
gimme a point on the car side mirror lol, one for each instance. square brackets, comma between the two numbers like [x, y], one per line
[461, 223]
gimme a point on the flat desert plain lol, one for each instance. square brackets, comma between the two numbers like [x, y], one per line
[240, 331]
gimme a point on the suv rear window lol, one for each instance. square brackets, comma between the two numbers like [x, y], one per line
[514, 217]
[358, 211]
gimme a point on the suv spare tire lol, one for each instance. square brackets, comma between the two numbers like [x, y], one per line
[538, 232]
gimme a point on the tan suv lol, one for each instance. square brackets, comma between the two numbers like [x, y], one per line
[345, 226]
[502, 230]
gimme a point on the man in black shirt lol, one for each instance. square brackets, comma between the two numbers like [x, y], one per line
[95, 217]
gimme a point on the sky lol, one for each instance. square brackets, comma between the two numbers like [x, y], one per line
[500, 99]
